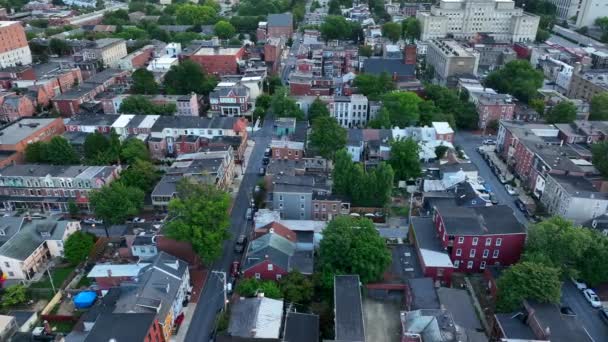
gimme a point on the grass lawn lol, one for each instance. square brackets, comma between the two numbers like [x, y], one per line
[63, 327]
[59, 276]
[84, 282]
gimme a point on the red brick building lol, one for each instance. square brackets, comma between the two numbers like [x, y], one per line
[478, 237]
[14, 49]
[285, 149]
[217, 60]
[272, 53]
[493, 108]
[434, 260]
[18, 135]
[268, 257]
[306, 84]
[13, 107]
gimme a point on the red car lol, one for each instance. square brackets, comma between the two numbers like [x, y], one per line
[234, 269]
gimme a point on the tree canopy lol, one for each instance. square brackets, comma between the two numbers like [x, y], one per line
[188, 77]
[284, 106]
[528, 280]
[411, 29]
[199, 214]
[517, 78]
[392, 31]
[144, 82]
[563, 112]
[192, 14]
[374, 86]
[13, 295]
[405, 159]
[327, 136]
[448, 106]
[224, 30]
[141, 174]
[599, 107]
[599, 152]
[132, 150]
[297, 288]
[57, 151]
[402, 108]
[78, 246]
[337, 27]
[365, 188]
[250, 287]
[138, 104]
[317, 109]
[352, 246]
[115, 203]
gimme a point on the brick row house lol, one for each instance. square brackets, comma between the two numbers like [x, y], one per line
[19, 134]
[232, 100]
[215, 60]
[185, 104]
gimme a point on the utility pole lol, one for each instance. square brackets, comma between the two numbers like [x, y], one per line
[51, 278]
[409, 215]
[222, 276]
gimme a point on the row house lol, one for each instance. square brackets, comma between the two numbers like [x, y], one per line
[350, 111]
[108, 50]
[306, 84]
[30, 244]
[494, 107]
[273, 49]
[231, 100]
[68, 103]
[49, 83]
[19, 134]
[583, 132]
[13, 106]
[50, 188]
[279, 25]
[136, 59]
[285, 149]
[532, 151]
[185, 104]
[480, 236]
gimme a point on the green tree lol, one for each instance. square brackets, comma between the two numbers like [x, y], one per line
[191, 14]
[374, 86]
[333, 7]
[517, 78]
[352, 246]
[599, 107]
[144, 82]
[317, 109]
[224, 29]
[60, 152]
[200, 215]
[73, 209]
[133, 150]
[259, 113]
[430, 113]
[452, 107]
[563, 112]
[78, 246]
[297, 288]
[335, 27]
[593, 267]
[36, 152]
[382, 120]
[366, 51]
[132, 33]
[405, 159]
[599, 153]
[440, 151]
[272, 83]
[542, 35]
[411, 29]
[115, 203]
[140, 174]
[327, 136]
[402, 107]
[95, 146]
[59, 47]
[188, 77]
[13, 295]
[250, 287]
[528, 280]
[263, 101]
[392, 31]
[538, 105]
[138, 104]
[284, 106]
[185, 38]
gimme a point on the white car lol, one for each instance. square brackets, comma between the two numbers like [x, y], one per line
[139, 220]
[579, 284]
[592, 298]
[510, 190]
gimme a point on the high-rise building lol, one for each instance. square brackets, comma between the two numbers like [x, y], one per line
[14, 49]
[464, 19]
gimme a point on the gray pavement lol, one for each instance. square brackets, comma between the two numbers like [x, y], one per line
[469, 142]
[588, 316]
[211, 300]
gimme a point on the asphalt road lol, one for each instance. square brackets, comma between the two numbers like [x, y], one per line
[291, 60]
[469, 142]
[588, 316]
[211, 300]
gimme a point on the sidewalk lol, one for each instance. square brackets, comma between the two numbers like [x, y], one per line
[183, 329]
[239, 170]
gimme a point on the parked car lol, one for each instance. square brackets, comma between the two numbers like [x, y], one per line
[139, 220]
[592, 298]
[510, 190]
[501, 178]
[256, 189]
[262, 171]
[92, 220]
[520, 205]
[248, 214]
[604, 314]
[266, 160]
[579, 284]
[493, 199]
[234, 268]
[566, 310]
[267, 152]
[489, 142]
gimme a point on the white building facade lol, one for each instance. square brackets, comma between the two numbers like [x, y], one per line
[350, 111]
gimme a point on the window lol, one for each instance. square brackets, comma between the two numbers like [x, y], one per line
[482, 266]
[458, 252]
[301, 198]
[11, 274]
[7, 265]
[495, 254]
[456, 263]
[488, 241]
[469, 264]
[302, 206]
[279, 277]
[486, 253]
[460, 239]
[472, 253]
[280, 197]
[498, 241]
[475, 240]
[270, 268]
[257, 276]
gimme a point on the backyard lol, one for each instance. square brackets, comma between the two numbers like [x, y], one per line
[59, 274]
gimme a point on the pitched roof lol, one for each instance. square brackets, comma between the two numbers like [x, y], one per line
[256, 317]
[23, 243]
[348, 309]
[277, 228]
[431, 251]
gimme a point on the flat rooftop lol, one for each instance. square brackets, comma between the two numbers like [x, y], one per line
[20, 130]
[224, 51]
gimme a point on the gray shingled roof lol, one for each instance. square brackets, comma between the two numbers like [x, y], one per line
[283, 19]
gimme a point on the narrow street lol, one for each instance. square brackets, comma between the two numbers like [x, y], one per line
[588, 316]
[469, 143]
[211, 300]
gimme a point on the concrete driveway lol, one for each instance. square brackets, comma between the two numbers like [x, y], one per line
[588, 316]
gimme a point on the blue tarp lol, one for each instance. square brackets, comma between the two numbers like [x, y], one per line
[84, 299]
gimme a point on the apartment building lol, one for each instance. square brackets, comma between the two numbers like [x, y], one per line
[216, 60]
[108, 50]
[15, 137]
[136, 59]
[185, 104]
[350, 111]
[463, 19]
[587, 11]
[14, 49]
[493, 108]
[27, 244]
[573, 198]
[278, 25]
[231, 100]
[451, 60]
[586, 84]
[49, 188]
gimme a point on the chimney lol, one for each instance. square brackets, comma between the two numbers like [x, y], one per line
[409, 54]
